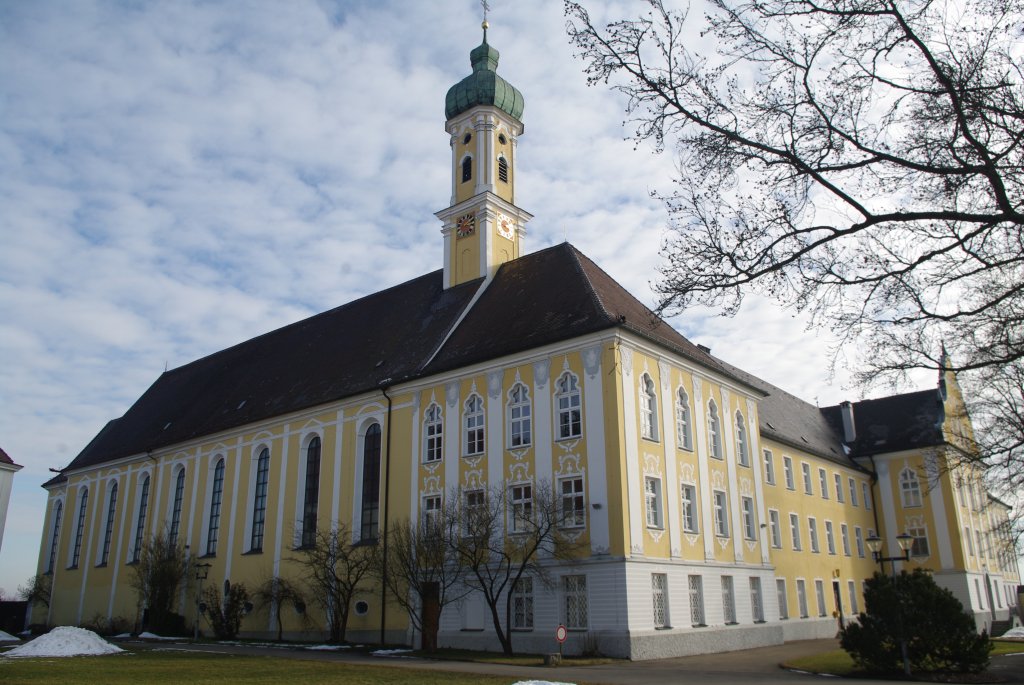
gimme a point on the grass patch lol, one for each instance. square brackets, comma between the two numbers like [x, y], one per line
[834, 661]
[516, 660]
[1007, 647]
[148, 666]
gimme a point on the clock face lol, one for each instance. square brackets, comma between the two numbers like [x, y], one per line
[506, 226]
[465, 225]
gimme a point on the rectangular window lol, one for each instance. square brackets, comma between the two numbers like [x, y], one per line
[852, 587]
[573, 507]
[756, 605]
[776, 528]
[521, 501]
[839, 488]
[721, 515]
[830, 537]
[981, 598]
[473, 423]
[970, 541]
[432, 512]
[867, 496]
[519, 417]
[575, 590]
[728, 601]
[689, 507]
[919, 548]
[787, 470]
[659, 595]
[844, 533]
[801, 597]
[853, 491]
[794, 531]
[808, 485]
[696, 585]
[812, 529]
[652, 500]
[782, 597]
[769, 468]
[475, 513]
[522, 604]
[858, 538]
[819, 591]
[823, 482]
[749, 524]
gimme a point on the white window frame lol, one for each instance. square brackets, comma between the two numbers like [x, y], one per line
[474, 421]
[805, 470]
[812, 533]
[782, 596]
[568, 407]
[756, 600]
[830, 537]
[474, 502]
[910, 489]
[433, 433]
[684, 421]
[919, 533]
[867, 495]
[652, 502]
[520, 500]
[853, 491]
[742, 444]
[819, 595]
[714, 431]
[519, 417]
[432, 511]
[823, 482]
[844, 533]
[728, 601]
[688, 508]
[749, 519]
[787, 469]
[769, 468]
[695, 587]
[721, 513]
[775, 528]
[801, 598]
[858, 539]
[852, 589]
[648, 408]
[573, 502]
[840, 496]
[794, 532]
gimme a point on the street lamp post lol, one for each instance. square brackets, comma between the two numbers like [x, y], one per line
[202, 571]
[905, 542]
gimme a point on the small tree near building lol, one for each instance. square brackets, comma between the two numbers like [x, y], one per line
[226, 612]
[36, 590]
[333, 569]
[157, 576]
[277, 595]
[940, 635]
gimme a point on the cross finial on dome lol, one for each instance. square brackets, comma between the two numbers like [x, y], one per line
[485, 24]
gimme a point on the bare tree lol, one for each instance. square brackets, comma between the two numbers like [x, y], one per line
[157, 575]
[333, 569]
[501, 534]
[36, 590]
[424, 574]
[275, 594]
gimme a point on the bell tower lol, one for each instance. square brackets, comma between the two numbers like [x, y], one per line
[483, 227]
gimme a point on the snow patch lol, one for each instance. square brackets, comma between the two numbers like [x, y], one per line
[1014, 632]
[390, 652]
[66, 641]
[7, 637]
[154, 636]
[326, 648]
[540, 682]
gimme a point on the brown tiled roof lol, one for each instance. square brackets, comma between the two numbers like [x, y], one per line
[4, 459]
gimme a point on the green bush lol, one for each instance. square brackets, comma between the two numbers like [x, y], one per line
[940, 635]
[226, 615]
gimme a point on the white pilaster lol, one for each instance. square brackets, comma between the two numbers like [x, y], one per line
[634, 489]
[700, 413]
[666, 405]
[757, 465]
[597, 456]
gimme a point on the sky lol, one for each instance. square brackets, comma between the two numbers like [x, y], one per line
[179, 176]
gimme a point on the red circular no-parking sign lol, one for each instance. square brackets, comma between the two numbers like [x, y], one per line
[561, 633]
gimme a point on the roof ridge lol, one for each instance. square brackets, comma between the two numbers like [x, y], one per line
[576, 254]
[481, 289]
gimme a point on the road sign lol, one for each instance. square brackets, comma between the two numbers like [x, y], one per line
[561, 633]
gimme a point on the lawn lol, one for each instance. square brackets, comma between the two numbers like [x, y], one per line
[838, 662]
[150, 666]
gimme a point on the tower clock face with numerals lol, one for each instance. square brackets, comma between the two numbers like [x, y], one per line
[506, 226]
[465, 225]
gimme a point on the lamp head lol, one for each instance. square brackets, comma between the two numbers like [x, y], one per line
[874, 544]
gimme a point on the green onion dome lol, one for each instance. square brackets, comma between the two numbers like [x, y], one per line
[483, 86]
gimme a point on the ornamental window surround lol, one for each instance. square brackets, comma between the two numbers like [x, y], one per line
[721, 514]
[742, 446]
[568, 407]
[521, 507]
[688, 507]
[648, 408]
[910, 488]
[652, 502]
[714, 430]
[684, 425]
[573, 503]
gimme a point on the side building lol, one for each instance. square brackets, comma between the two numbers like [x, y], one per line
[713, 511]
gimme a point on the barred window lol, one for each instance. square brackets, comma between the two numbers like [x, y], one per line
[728, 600]
[575, 590]
[696, 585]
[659, 595]
[756, 604]
[522, 604]
[432, 512]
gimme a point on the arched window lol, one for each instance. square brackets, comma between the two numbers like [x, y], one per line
[371, 484]
[467, 168]
[519, 416]
[58, 514]
[502, 169]
[473, 425]
[213, 529]
[259, 505]
[714, 430]
[742, 447]
[179, 497]
[77, 551]
[312, 494]
[433, 433]
[140, 526]
[567, 403]
[684, 431]
[648, 408]
[910, 488]
[109, 532]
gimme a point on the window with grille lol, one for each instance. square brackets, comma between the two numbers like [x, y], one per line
[801, 597]
[648, 408]
[58, 514]
[433, 433]
[689, 507]
[213, 528]
[652, 499]
[521, 499]
[502, 169]
[714, 430]
[567, 401]
[80, 531]
[573, 507]
[742, 447]
[728, 600]
[775, 526]
[259, 508]
[522, 604]
[696, 586]
[819, 591]
[575, 590]
[782, 597]
[519, 416]
[659, 594]
[140, 525]
[311, 499]
[109, 532]
[756, 605]
[473, 424]
[179, 496]
[684, 432]
[769, 468]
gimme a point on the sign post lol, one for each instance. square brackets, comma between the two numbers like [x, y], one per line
[560, 634]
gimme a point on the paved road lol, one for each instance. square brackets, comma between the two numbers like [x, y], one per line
[732, 668]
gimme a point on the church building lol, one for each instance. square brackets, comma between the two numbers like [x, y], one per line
[713, 511]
